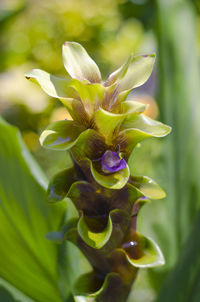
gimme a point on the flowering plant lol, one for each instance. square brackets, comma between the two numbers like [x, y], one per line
[104, 130]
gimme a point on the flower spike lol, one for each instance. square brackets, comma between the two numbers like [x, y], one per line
[104, 131]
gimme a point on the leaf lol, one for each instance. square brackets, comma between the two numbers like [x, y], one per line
[142, 251]
[133, 73]
[115, 180]
[94, 239]
[148, 187]
[61, 135]
[79, 64]
[6, 296]
[60, 185]
[27, 260]
[13, 293]
[179, 105]
[182, 283]
[53, 86]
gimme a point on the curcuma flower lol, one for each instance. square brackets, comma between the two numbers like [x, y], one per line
[111, 162]
[104, 130]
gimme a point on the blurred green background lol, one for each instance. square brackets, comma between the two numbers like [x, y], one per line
[31, 36]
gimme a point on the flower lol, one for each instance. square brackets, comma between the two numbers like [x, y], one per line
[111, 162]
[102, 118]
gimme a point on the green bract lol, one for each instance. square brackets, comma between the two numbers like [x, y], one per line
[104, 130]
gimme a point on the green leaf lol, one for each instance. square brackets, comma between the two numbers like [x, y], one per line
[60, 185]
[61, 135]
[142, 251]
[91, 95]
[94, 239]
[133, 73]
[115, 180]
[79, 64]
[148, 187]
[179, 106]
[6, 296]
[182, 283]
[53, 86]
[27, 260]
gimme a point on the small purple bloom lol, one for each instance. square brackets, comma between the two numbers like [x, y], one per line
[111, 162]
[143, 197]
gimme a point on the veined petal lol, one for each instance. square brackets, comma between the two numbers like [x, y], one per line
[91, 95]
[113, 98]
[133, 73]
[79, 64]
[61, 135]
[53, 86]
[77, 111]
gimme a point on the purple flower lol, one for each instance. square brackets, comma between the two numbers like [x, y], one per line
[111, 162]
